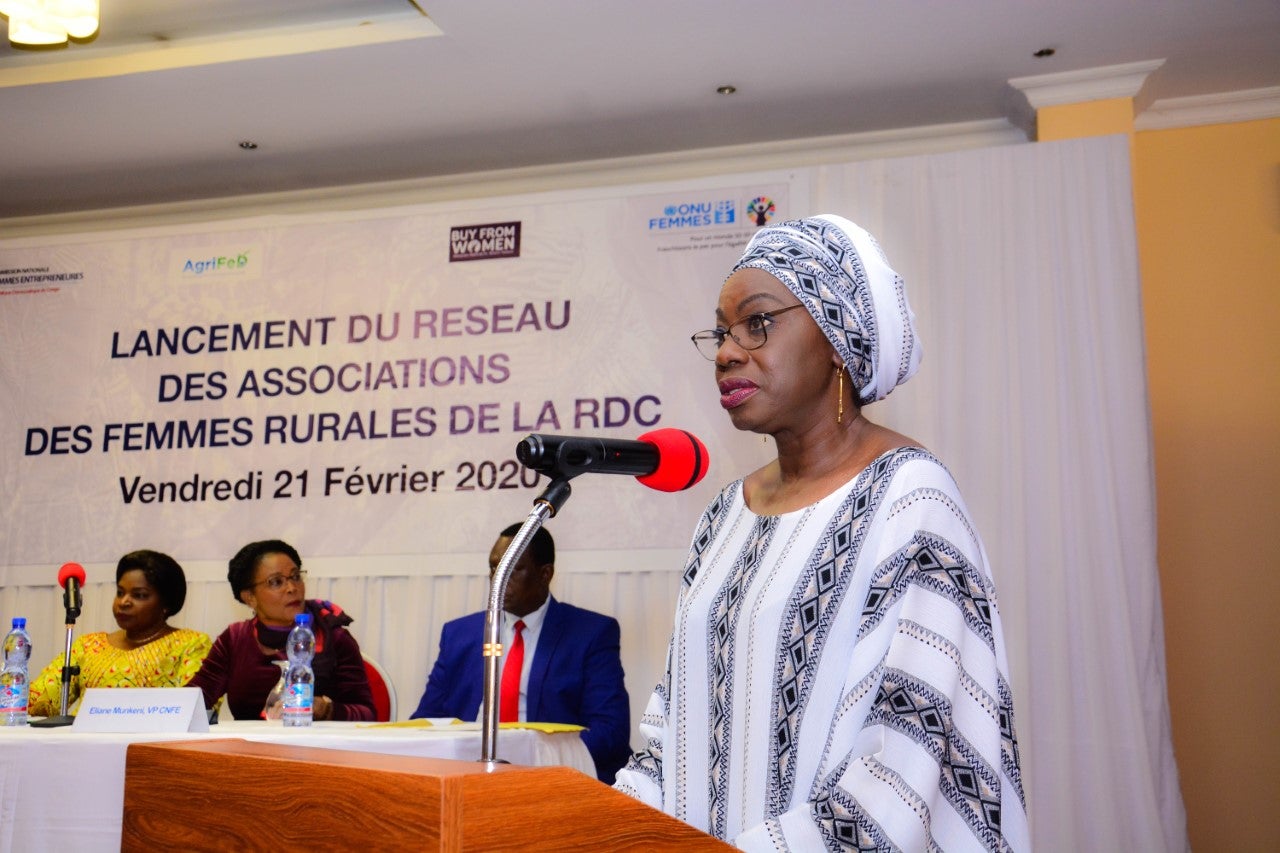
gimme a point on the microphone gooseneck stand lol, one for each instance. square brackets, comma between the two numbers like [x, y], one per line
[545, 506]
[70, 600]
[561, 458]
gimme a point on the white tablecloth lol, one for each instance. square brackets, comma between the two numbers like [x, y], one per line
[62, 790]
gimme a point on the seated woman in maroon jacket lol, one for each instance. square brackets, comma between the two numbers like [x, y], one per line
[268, 577]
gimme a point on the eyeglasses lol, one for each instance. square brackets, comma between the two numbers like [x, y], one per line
[275, 583]
[750, 333]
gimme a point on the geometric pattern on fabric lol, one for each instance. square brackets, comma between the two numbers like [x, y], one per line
[709, 525]
[933, 563]
[944, 646]
[845, 825]
[824, 288]
[835, 676]
[940, 497]
[648, 760]
[705, 533]
[1000, 707]
[1010, 759]
[916, 710]
[720, 655]
[839, 273]
[817, 594]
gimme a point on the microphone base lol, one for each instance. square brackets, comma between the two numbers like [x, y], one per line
[52, 722]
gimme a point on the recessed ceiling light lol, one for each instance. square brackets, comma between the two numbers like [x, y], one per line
[726, 90]
[248, 145]
[1044, 53]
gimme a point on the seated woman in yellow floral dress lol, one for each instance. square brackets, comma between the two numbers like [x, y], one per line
[146, 652]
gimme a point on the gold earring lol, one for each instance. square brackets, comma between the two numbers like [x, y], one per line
[840, 395]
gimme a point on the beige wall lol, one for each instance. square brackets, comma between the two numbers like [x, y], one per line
[1095, 118]
[1207, 201]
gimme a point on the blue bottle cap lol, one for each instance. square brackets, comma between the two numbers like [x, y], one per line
[21, 621]
[302, 619]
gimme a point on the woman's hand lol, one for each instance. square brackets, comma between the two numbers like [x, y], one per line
[322, 708]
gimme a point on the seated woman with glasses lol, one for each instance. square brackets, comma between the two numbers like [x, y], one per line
[268, 577]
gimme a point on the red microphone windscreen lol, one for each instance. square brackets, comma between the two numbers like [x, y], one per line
[68, 571]
[682, 460]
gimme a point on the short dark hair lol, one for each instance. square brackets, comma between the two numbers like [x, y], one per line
[163, 574]
[542, 549]
[241, 567]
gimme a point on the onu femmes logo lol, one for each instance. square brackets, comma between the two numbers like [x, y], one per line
[694, 214]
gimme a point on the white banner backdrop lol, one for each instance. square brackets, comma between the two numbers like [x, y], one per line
[354, 385]
[1020, 264]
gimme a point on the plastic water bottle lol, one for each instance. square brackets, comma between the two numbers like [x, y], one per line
[14, 684]
[299, 691]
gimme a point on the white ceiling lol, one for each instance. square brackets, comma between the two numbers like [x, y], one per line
[152, 110]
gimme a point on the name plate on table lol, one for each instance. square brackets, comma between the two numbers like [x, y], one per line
[142, 709]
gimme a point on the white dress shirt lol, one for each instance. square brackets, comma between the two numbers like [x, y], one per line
[506, 634]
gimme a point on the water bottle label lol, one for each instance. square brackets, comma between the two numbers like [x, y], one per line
[13, 700]
[298, 700]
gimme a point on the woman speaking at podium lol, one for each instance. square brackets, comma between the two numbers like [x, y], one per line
[268, 577]
[836, 676]
[146, 651]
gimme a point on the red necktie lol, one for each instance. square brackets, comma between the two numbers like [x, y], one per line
[509, 708]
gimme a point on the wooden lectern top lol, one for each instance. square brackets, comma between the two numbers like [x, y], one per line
[236, 794]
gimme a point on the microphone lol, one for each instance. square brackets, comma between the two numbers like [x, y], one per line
[669, 460]
[71, 579]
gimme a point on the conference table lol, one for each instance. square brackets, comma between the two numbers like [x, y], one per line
[63, 790]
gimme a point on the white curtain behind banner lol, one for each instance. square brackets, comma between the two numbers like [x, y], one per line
[1021, 266]
[1020, 263]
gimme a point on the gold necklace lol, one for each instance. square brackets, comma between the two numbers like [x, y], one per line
[140, 643]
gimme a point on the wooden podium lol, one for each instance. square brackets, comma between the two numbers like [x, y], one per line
[239, 795]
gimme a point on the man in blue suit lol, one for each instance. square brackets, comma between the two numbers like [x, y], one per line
[572, 668]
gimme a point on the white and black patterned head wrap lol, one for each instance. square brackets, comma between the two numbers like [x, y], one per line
[838, 272]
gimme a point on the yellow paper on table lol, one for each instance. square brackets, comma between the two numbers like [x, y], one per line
[545, 728]
[444, 723]
[420, 723]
